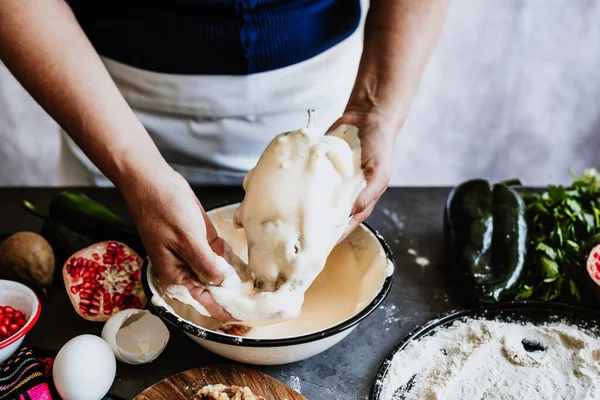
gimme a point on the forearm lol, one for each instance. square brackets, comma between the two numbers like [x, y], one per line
[44, 47]
[399, 38]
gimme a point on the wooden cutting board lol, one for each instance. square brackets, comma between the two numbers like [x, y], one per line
[185, 385]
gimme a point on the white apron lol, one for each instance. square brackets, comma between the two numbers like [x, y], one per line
[212, 129]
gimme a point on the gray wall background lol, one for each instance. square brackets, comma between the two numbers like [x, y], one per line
[512, 90]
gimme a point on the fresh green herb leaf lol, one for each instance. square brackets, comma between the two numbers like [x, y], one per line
[549, 251]
[562, 222]
[549, 267]
[525, 292]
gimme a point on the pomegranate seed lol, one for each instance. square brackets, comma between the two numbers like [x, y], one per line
[108, 305]
[21, 322]
[3, 330]
[95, 303]
[13, 328]
[8, 309]
[93, 312]
[6, 321]
[128, 288]
[75, 289]
[85, 302]
[106, 297]
[96, 256]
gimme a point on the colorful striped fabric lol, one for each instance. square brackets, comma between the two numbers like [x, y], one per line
[25, 377]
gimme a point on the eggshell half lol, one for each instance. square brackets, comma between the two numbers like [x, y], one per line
[135, 336]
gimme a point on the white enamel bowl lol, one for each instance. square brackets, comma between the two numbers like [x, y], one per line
[21, 298]
[272, 351]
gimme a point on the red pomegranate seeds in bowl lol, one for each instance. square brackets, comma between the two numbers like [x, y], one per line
[19, 311]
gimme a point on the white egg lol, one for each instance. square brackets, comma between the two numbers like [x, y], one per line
[135, 336]
[84, 368]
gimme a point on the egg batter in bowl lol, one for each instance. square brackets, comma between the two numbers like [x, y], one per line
[353, 276]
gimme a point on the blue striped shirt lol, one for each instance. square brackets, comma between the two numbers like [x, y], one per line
[234, 37]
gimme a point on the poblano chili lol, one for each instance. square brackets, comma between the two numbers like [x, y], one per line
[486, 238]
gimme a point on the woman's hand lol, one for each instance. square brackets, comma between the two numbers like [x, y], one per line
[398, 39]
[181, 241]
[377, 138]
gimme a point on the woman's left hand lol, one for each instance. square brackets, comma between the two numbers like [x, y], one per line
[377, 137]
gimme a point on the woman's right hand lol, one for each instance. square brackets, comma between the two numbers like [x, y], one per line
[181, 241]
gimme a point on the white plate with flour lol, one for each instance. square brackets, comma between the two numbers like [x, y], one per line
[505, 351]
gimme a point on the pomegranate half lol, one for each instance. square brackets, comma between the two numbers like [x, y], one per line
[593, 264]
[103, 279]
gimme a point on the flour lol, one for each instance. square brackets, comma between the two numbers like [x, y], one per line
[295, 383]
[494, 360]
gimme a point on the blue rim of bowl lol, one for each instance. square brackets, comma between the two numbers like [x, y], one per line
[504, 311]
[291, 341]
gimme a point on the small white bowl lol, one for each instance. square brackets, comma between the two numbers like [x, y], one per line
[270, 351]
[21, 298]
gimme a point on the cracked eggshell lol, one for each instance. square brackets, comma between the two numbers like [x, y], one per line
[135, 336]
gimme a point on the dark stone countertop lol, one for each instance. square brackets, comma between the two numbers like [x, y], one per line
[408, 218]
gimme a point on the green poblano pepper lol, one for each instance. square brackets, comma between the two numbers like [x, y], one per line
[75, 221]
[85, 216]
[486, 237]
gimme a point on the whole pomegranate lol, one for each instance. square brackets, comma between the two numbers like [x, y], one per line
[103, 279]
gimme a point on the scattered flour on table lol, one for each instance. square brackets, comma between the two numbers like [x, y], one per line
[421, 261]
[493, 360]
[396, 219]
[295, 383]
[391, 315]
